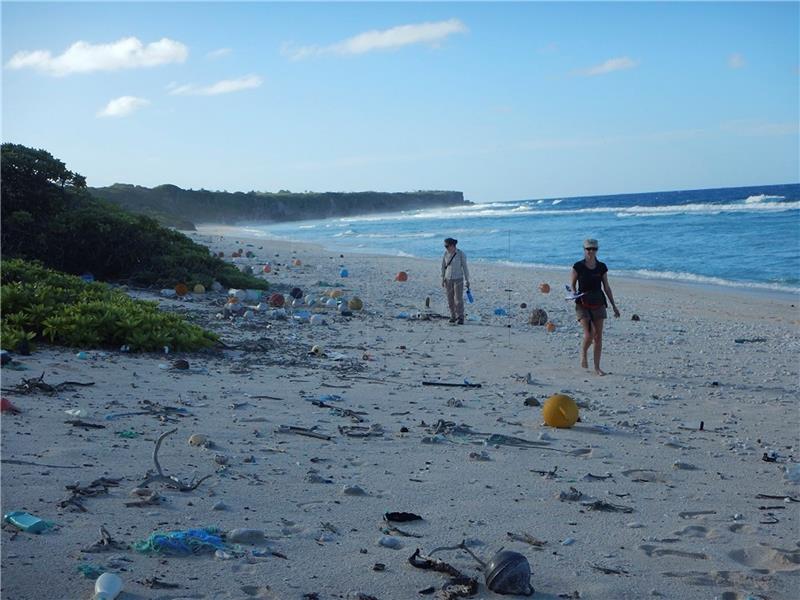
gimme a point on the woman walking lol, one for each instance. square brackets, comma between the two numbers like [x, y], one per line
[591, 275]
[454, 275]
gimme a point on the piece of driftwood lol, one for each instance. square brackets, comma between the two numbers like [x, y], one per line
[105, 544]
[302, 431]
[78, 492]
[460, 586]
[84, 424]
[170, 481]
[14, 461]
[443, 384]
[526, 538]
[38, 384]
[774, 497]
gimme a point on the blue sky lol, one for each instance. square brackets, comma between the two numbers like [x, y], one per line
[499, 100]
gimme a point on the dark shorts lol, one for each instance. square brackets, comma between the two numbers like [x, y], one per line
[593, 314]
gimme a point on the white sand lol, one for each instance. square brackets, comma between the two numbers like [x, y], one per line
[698, 532]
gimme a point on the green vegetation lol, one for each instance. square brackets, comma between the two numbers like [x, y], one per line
[48, 215]
[42, 304]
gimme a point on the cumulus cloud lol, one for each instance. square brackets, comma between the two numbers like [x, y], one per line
[226, 86]
[736, 61]
[84, 57]
[219, 53]
[123, 106]
[612, 64]
[430, 33]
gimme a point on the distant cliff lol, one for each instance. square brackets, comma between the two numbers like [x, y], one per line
[182, 208]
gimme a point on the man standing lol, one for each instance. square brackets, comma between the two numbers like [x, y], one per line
[454, 275]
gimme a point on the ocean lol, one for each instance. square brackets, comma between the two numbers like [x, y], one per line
[743, 237]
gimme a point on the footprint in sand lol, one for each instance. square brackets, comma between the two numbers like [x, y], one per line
[692, 531]
[729, 579]
[763, 557]
[742, 528]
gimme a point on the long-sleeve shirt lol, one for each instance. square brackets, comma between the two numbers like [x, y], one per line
[456, 268]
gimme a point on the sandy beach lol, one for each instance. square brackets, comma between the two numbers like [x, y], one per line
[635, 501]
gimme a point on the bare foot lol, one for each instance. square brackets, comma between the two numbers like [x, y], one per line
[584, 363]
[598, 371]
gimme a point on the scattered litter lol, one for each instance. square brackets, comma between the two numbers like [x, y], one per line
[8, 407]
[178, 543]
[443, 384]
[388, 541]
[27, 522]
[90, 571]
[604, 506]
[303, 431]
[756, 340]
[108, 586]
[401, 517]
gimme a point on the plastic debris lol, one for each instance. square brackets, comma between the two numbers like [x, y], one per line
[182, 542]
[108, 586]
[8, 407]
[27, 522]
[90, 571]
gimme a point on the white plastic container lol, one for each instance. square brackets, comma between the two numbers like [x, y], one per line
[107, 587]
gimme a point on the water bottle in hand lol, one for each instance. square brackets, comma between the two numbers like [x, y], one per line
[470, 299]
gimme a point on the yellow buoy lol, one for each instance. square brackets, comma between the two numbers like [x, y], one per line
[560, 410]
[355, 303]
[199, 289]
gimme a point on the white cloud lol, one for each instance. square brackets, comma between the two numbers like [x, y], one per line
[219, 53]
[612, 64]
[431, 33]
[83, 57]
[226, 86]
[123, 106]
[736, 61]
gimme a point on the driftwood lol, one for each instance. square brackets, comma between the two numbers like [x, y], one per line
[84, 424]
[170, 481]
[105, 544]
[38, 384]
[302, 431]
[461, 385]
[608, 571]
[77, 492]
[460, 586]
[526, 538]
[14, 461]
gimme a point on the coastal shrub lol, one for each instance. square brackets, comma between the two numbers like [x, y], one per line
[39, 304]
[48, 215]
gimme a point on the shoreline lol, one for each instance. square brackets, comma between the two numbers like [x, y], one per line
[754, 290]
[636, 500]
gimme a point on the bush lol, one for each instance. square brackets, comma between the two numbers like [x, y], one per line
[47, 215]
[41, 304]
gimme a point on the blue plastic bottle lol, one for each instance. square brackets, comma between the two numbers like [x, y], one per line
[26, 521]
[470, 299]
